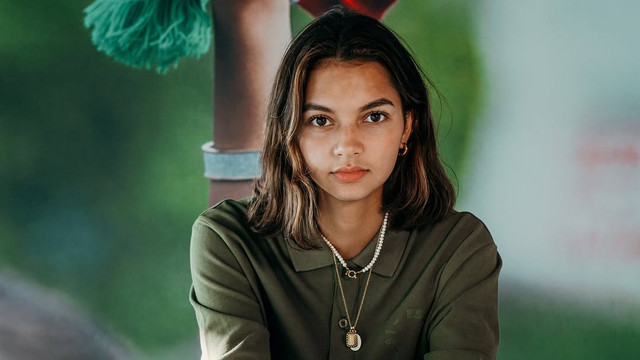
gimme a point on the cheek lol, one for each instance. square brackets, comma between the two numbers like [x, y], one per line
[386, 153]
[389, 159]
[309, 151]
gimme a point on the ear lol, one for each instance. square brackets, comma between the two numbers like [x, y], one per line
[408, 125]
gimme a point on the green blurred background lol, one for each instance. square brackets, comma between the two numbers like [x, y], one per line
[101, 178]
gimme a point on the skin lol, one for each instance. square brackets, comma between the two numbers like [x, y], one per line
[353, 127]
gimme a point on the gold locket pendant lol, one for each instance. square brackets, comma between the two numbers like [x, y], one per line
[353, 340]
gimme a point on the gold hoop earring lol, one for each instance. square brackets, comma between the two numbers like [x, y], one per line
[403, 149]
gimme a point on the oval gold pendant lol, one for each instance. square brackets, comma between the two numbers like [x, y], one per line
[353, 340]
[357, 347]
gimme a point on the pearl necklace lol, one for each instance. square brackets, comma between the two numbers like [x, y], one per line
[352, 273]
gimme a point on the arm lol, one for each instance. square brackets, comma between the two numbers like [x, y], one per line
[464, 323]
[250, 38]
[228, 311]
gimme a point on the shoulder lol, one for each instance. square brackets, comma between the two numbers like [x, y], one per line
[457, 238]
[464, 224]
[230, 214]
[222, 228]
[458, 227]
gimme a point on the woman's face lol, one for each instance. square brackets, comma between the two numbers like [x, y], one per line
[352, 128]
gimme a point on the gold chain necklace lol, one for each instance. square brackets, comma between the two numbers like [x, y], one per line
[353, 339]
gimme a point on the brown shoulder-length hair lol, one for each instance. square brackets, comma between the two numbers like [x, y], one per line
[418, 190]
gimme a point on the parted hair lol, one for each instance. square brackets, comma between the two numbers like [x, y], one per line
[418, 190]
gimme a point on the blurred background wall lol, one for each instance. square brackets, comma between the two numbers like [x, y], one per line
[101, 175]
[554, 171]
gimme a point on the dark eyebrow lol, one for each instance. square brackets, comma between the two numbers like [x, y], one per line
[317, 107]
[371, 105]
[376, 103]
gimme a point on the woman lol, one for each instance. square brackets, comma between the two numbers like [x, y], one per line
[350, 247]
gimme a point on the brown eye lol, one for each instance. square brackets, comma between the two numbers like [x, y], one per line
[319, 121]
[376, 117]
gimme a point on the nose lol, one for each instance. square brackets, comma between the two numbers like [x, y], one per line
[348, 141]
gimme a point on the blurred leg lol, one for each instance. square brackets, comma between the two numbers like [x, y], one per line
[250, 37]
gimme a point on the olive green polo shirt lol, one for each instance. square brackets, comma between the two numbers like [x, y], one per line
[432, 293]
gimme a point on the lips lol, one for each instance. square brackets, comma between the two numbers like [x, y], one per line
[350, 174]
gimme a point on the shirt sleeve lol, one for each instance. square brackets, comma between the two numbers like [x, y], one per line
[230, 320]
[464, 323]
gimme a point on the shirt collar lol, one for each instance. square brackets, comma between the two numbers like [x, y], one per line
[393, 247]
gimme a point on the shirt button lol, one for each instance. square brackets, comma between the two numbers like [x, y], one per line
[343, 323]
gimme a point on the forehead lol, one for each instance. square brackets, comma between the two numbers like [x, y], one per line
[334, 80]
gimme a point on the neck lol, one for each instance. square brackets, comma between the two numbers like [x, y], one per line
[349, 226]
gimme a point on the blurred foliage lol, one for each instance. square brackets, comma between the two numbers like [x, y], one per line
[101, 174]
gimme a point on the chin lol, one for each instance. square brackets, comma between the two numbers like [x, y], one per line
[352, 195]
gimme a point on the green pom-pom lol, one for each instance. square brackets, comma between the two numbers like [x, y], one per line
[150, 33]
